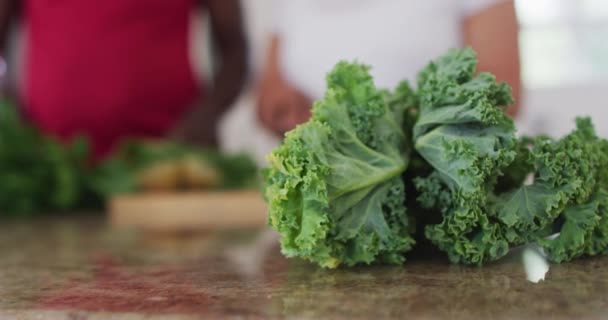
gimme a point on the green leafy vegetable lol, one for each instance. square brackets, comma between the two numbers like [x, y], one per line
[123, 172]
[336, 197]
[37, 173]
[334, 186]
[479, 168]
[576, 168]
[467, 138]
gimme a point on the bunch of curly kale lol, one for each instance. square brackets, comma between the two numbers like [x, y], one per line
[337, 195]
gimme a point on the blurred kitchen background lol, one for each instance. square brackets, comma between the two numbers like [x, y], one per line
[563, 50]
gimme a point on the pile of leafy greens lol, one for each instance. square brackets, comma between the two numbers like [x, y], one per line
[40, 175]
[37, 172]
[335, 186]
[171, 165]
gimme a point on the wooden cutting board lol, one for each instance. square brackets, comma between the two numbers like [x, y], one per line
[189, 211]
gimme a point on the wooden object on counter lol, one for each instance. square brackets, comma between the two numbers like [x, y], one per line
[189, 211]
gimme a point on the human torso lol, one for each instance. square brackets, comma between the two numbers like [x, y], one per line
[396, 37]
[107, 69]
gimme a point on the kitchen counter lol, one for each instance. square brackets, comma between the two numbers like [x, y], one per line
[79, 268]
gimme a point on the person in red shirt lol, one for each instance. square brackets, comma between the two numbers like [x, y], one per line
[116, 69]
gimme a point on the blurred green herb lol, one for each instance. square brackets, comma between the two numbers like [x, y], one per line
[40, 175]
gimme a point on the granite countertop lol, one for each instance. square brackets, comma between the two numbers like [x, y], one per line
[79, 268]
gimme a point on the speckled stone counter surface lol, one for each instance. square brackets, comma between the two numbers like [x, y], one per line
[79, 268]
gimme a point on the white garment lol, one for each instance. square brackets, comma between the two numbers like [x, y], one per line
[396, 37]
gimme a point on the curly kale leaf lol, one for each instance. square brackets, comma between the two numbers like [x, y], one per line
[566, 197]
[333, 187]
[576, 167]
[597, 240]
[580, 221]
[479, 170]
[464, 134]
[564, 173]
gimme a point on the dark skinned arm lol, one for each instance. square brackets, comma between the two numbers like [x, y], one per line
[493, 33]
[199, 126]
[8, 10]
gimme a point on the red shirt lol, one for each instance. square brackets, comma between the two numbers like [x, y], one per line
[108, 69]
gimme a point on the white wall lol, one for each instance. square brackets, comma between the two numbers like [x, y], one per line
[553, 110]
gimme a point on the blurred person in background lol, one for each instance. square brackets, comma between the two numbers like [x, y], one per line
[396, 37]
[117, 69]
